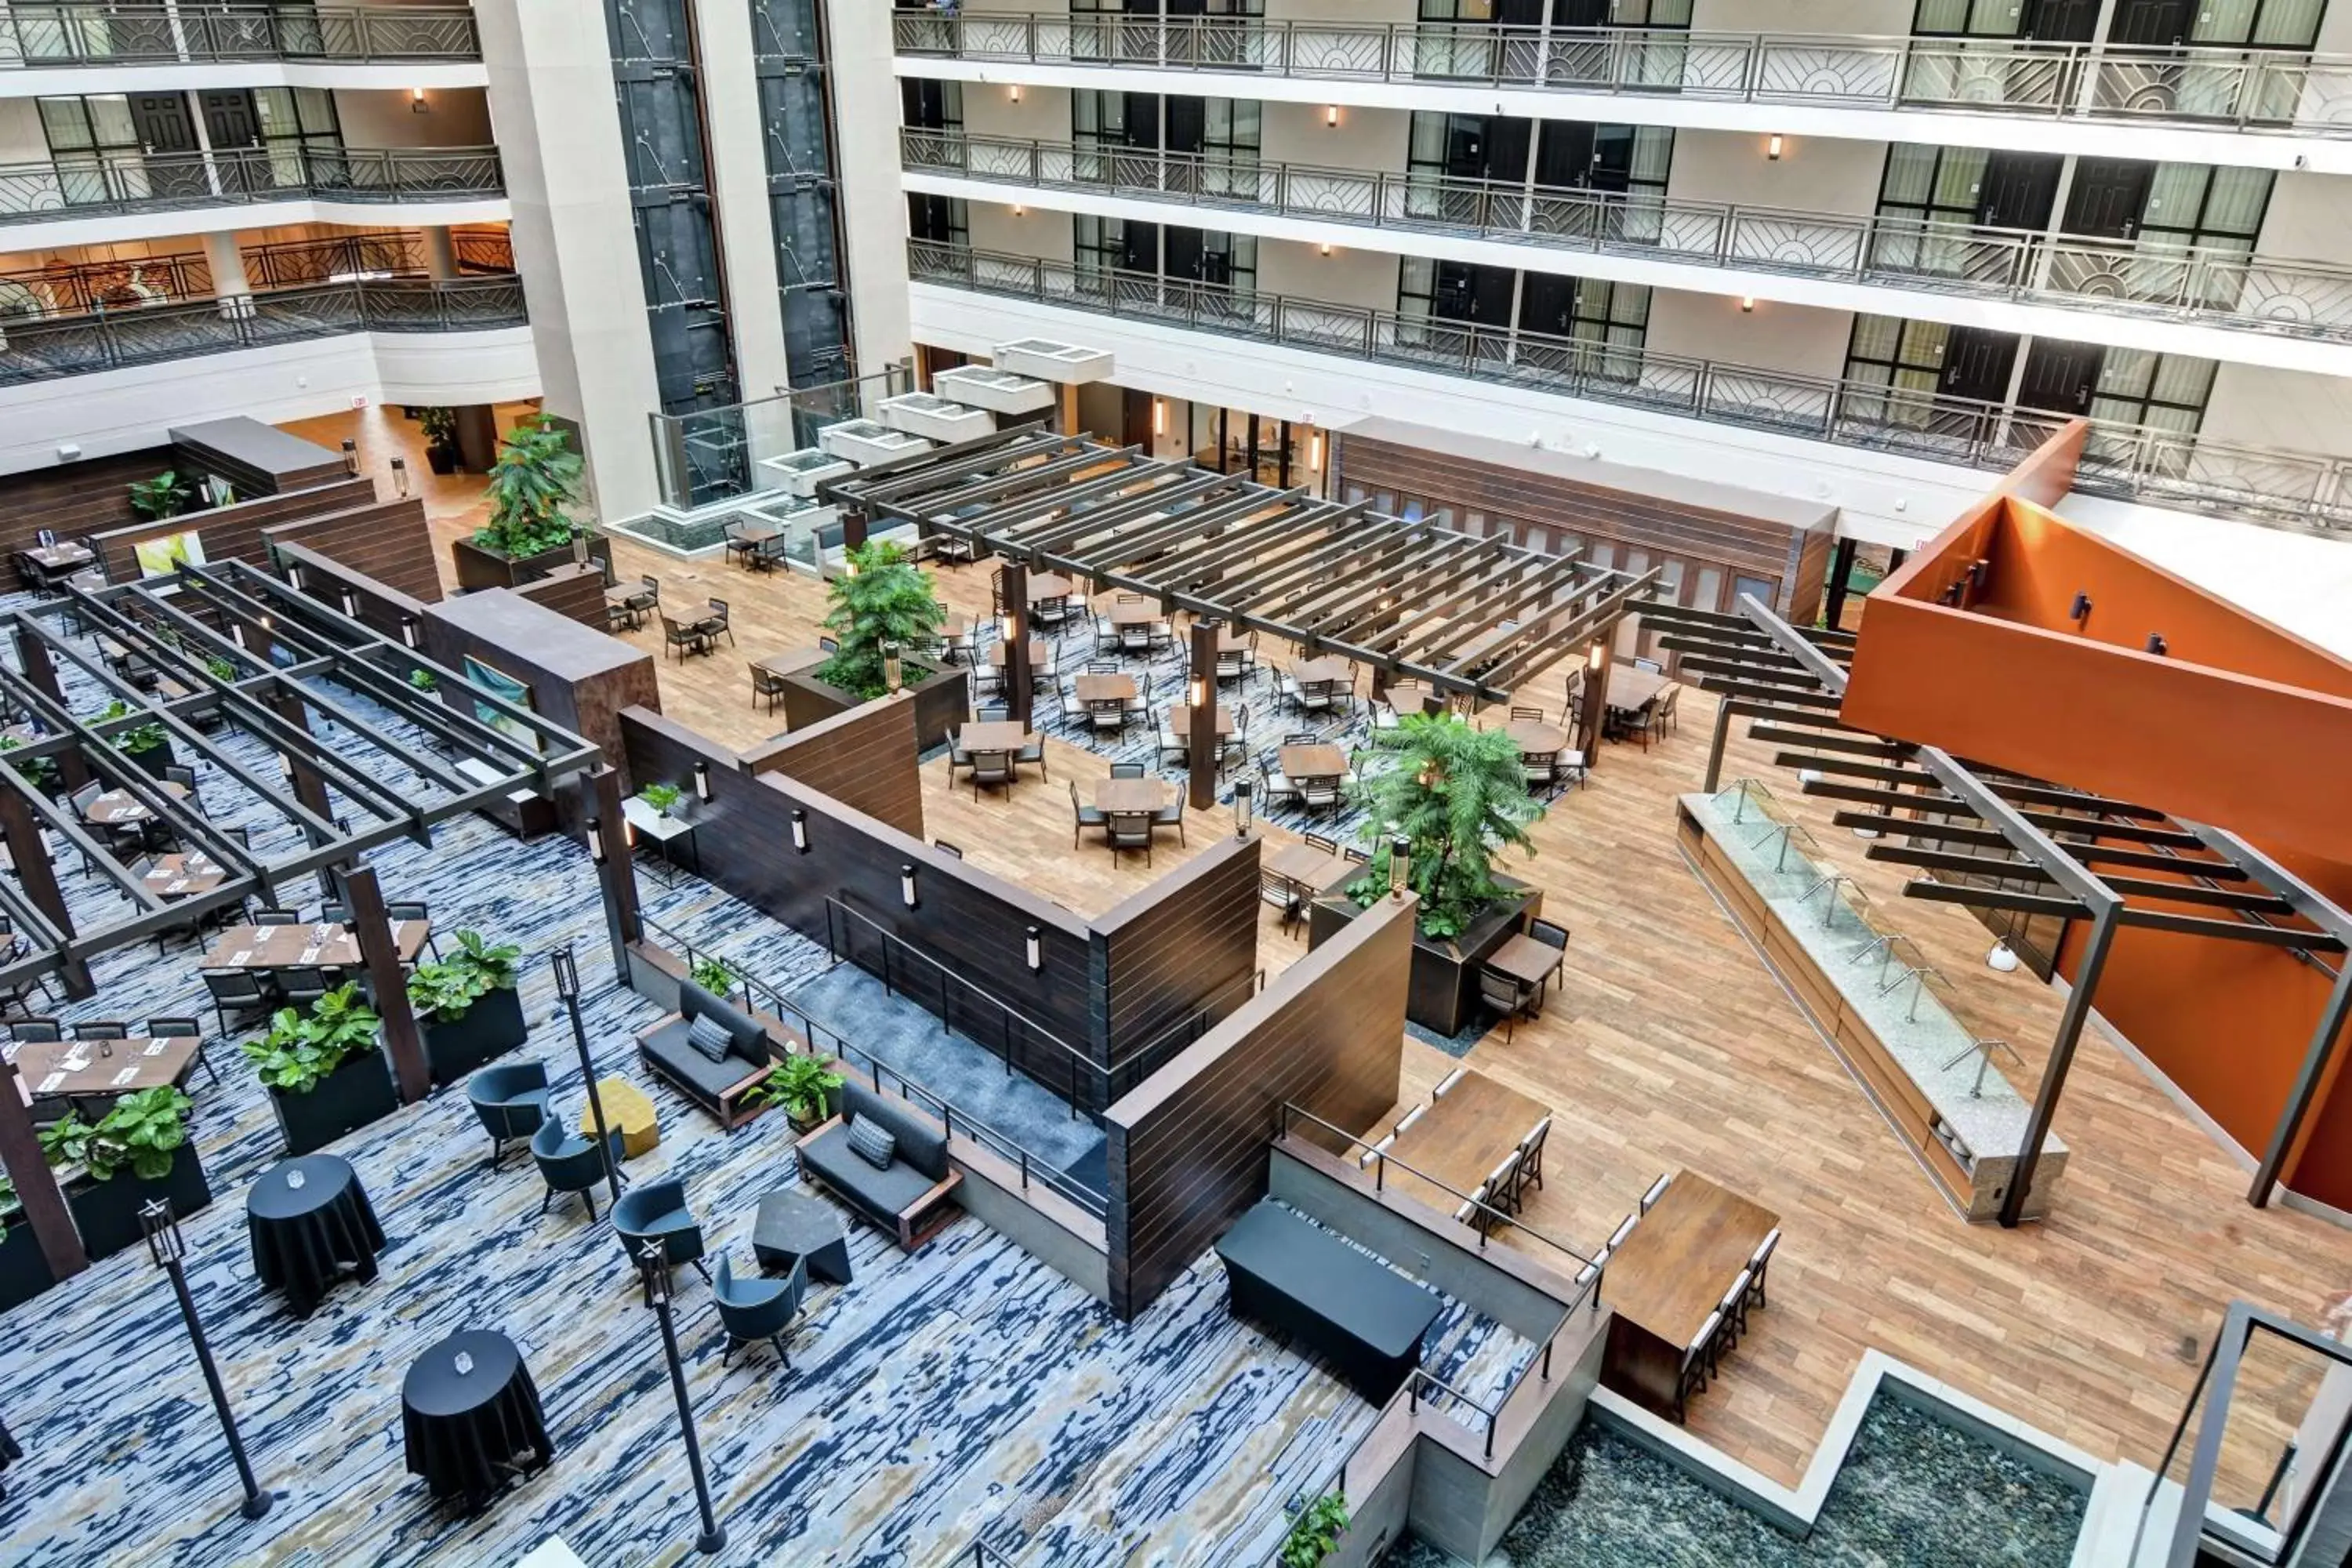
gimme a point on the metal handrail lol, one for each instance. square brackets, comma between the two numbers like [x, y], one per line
[2138, 462]
[2197, 86]
[96, 32]
[827, 1040]
[2203, 285]
[85, 185]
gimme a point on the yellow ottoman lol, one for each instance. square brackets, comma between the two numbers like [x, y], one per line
[628, 1112]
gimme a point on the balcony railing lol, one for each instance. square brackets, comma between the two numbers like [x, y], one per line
[111, 339]
[77, 33]
[2164, 467]
[2211, 287]
[2263, 90]
[133, 182]
[80, 288]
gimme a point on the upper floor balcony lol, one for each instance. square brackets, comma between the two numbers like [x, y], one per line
[2160, 467]
[79, 33]
[1711, 246]
[112, 183]
[1991, 90]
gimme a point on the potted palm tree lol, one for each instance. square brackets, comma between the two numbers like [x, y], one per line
[469, 1006]
[325, 1070]
[1458, 796]
[881, 598]
[440, 427]
[136, 1153]
[23, 1267]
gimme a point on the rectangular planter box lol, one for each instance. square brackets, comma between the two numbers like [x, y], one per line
[936, 418]
[106, 1213]
[24, 1272]
[1444, 994]
[356, 1094]
[153, 759]
[998, 391]
[942, 701]
[478, 568]
[492, 1027]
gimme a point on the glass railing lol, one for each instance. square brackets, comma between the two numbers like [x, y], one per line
[78, 33]
[2236, 89]
[92, 184]
[719, 455]
[2162, 467]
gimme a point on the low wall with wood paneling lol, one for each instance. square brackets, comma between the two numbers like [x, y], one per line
[328, 580]
[865, 758]
[231, 532]
[1176, 958]
[386, 541]
[576, 593]
[1188, 1150]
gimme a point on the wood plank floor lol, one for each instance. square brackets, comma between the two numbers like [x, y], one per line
[1669, 1046]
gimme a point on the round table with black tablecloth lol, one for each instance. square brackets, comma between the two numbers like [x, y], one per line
[305, 1234]
[9, 1455]
[467, 1432]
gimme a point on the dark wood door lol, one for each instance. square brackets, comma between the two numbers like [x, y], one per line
[1548, 304]
[932, 218]
[2061, 21]
[2154, 24]
[1579, 13]
[1468, 292]
[1488, 147]
[2060, 377]
[2107, 196]
[1188, 124]
[1518, 13]
[1186, 254]
[1976, 363]
[168, 137]
[1564, 154]
[924, 104]
[229, 119]
[1135, 418]
[2018, 191]
[1139, 246]
[1142, 119]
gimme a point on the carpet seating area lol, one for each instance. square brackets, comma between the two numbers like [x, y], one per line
[907, 1195]
[716, 1077]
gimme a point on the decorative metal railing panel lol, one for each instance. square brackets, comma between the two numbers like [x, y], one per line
[2207, 287]
[82, 33]
[2264, 90]
[40, 350]
[127, 183]
[2163, 467]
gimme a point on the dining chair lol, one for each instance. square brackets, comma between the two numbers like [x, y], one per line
[1272, 785]
[1502, 1187]
[234, 994]
[1649, 666]
[1083, 817]
[571, 1163]
[1657, 1190]
[1130, 831]
[1697, 1362]
[277, 917]
[185, 1029]
[1531, 1149]
[1549, 934]
[685, 640]
[1171, 816]
[768, 685]
[1760, 1261]
[102, 1030]
[1505, 995]
[1321, 795]
[335, 913]
[1535, 715]
[1445, 1084]
[1323, 842]
[1127, 769]
[400, 909]
[300, 984]
[658, 1212]
[1539, 770]
[1034, 752]
[1624, 1229]
[713, 626]
[1734, 1308]
[35, 1030]
[992, 768]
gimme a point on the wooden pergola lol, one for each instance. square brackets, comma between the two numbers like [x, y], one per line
[1413, 598]
[1989, 840]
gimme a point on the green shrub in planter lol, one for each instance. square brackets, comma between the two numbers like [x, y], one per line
[662, 797]
[1315, 1531]
[805, 1085]
[468, 1003]
[135, 1152]
[422, 679]
[714, 976]
[324, 1070]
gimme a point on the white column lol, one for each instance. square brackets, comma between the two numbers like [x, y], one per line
[230, 285]
[874, 204]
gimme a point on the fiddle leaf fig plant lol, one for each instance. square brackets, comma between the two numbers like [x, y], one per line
[1460, 796]
[1315, 1531]
[140, 1134]
[450, 988]
[303, 1050]
[714, 976]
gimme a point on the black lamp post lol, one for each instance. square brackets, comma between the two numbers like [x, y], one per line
[653, 1264]
[567, 986]
[171, 1251]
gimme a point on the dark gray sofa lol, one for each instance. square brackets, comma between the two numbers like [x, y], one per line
[718, 1087]
[909, 1199]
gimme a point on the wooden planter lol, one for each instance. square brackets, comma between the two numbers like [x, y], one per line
[106, 1213]
[492, 1026]
[356, 1094]
[1444, 994]
[24, 1271]
[942, 702]
[478, 568]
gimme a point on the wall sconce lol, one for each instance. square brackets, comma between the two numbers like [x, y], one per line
[416, 104]
[286, 766]
[800, 830]
[892, 671]
[1199, 692]
[294, 575]
[1598, 657]
[400, 477]
[1773, 146]
[1012, 629]
[1399, 864]
[2156, 644]
[1013, 92]
[351, 605]
[1020, 211]
[351, 457]
[1315, 451]
[2080, 610]
[237, 633]
[596, 841]
[1330, 117]
[1325, 247]
[849, 566]
[408, 630]
[1160, 416]
[1242, 794]
[906, 885]
[1036, 951]
[1748, 304]
[702, 782]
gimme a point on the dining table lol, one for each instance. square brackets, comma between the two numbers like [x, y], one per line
[1128, 615]
[1412, 696]
[1311, 871]
[73, 1070]
[992, 735]
[1046, 585]
[117, 808]
[1668, 1275]
[1536, 739]
[1122, 796]
[1630, 689]
[1093, 689]
[1530, 963]
[1041, 654]
[184, 876]
[792, 661]
[1314, 671]
[319, 943]
[59, 557]
[1455, 1144]
[1319, 761]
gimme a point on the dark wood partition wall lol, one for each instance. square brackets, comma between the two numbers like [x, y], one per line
[74, 499]
[386, 541]
[865, 758]
[259, 459]
[326, 580]
[231, 532]
[1188, 1150]
[1175, 959]
[575, 593]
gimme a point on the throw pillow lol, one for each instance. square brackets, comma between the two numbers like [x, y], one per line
[873, 1144]
[709, 1037]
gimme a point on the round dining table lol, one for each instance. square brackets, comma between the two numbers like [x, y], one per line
[310, 1222]
[470, 1416]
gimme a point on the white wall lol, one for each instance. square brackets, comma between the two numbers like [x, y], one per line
[2258, 408]
[1794, 337]
[1045, 234]
[22, 141]
[2310, 219]
[1813, 174]
[1346, 277]
[1883, 18]
[1042, 115]
[453, 117]
[1364, 138]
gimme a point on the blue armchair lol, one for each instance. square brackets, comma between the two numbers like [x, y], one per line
[752, 1309]
[571, 1164]
[658, 1212]
[511, 1100]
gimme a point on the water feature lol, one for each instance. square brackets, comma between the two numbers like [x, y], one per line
[1915, 1491]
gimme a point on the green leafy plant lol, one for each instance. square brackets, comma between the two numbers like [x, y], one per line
[142, 1133]
[39, 770]
[303, 1048]
[165, 495]
[802, 1083]
[881, 597]
[536, 476]
[220, 669]
[440, 427]
[449, 988]
[661, 796]
[1315, 1531]
[139, 737]
[1459, 796]
[422, 679]
[714, 976]
[8, 1204]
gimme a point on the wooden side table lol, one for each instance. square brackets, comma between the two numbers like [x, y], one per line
[628, 1112]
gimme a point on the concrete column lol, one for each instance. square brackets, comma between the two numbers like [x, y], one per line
[440, 253]
[230, 286]
[478, 437]
[866, 113]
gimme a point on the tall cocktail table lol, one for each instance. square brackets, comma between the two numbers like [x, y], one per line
[792, 1226]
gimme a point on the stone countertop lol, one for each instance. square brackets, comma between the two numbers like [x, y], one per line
[1989, 1122]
